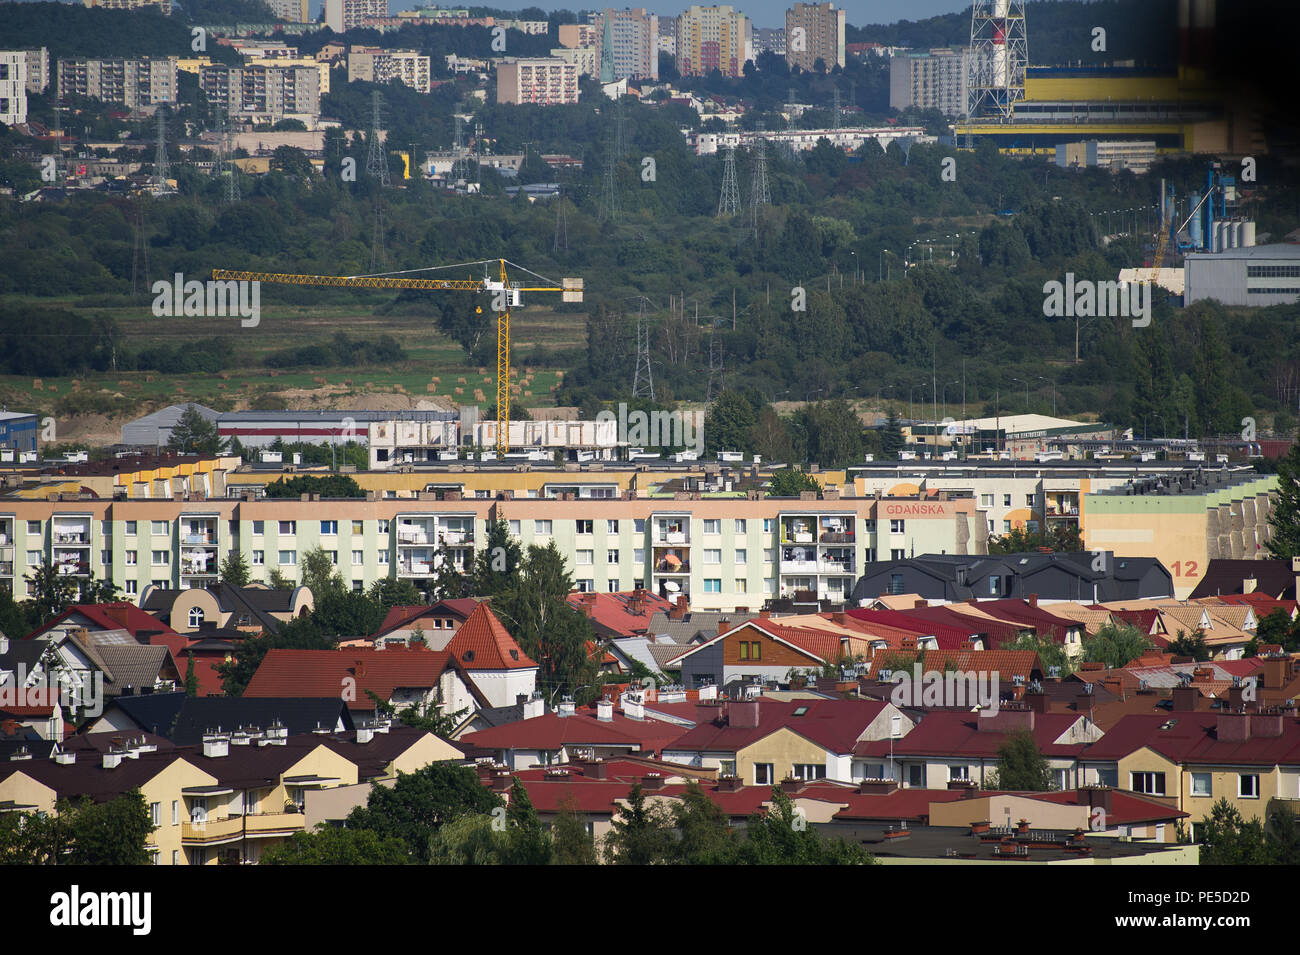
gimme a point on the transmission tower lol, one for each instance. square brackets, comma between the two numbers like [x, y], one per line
[609, 203]
[729, 201]
[58, 141]
[759, 196]
[225, 164]
[561, 243]
[835, 109]
[160, 154]
[715, 368]
[376, 158]
[378, 258]
[139, 255]
[999, 48]
[643, 382]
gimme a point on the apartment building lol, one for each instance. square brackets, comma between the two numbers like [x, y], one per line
[542, 81]
[295, 11]
[633, 40]
[162, 6]
[720, 553]
[585, 58]
[713, 38]
[341, 15]
[38, 70]
[935, 79]
[136, 84]
[265, 91]
[814, 31]
[373, 65]
[578, 35]
[13, 87]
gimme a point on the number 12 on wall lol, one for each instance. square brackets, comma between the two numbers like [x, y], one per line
[1185, 568]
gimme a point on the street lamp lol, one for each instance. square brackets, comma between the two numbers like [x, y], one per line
[854, 253]
[1053, 382]
[955, 381]
[1024, 382]
[808, 396]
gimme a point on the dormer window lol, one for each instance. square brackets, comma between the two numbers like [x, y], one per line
[196, 617]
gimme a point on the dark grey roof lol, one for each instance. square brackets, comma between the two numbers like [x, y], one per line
[298, 715]
[1275, 578]
[151, 712]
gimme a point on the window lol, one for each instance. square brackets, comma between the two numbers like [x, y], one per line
[896, 526]
[1202, 784]
[382, 558]
[131, 587]
[358, 586]
[713, 585]
[383, 527]
[160, 584]
[726, 767]
[1006, 500]
[916, 775]
[743, 649]
[712, 526]
[1149, 784]
[638, 525]
[959, 772]
[584, 527]
[742, 555]
[769, 554]
[288, 527]
[896, 583]
[1006, 527]
[176, 812]
[334, 557]
[713, 556]
[34, 527]
[585, 558]
[159, 528]
[741, 526]
[542, 528]
[612, 585]
[105, 557]
[769, 586]
[767, 525]
[638, 556]
[611, 557]
[259, 528]
[288, 558]
[358, 527]
[898, 553]
[196, 617]
[358, 558]
[162, 558]
[990, 526]
[986, 500]
[995, 584]
[808, 771]
[130, 528]
[513, 527]
[329, 528]
[33, 558]
[763, 775]
[742, 586]
[586, 585]
[1248, 785]
[611, 527]
[1029, 499]
[259, 558]
[155, 813]
[131, 558]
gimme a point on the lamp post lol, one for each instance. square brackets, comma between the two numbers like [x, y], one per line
[1025, 382]
[854, 253]
[955, 381]
[1053, 383]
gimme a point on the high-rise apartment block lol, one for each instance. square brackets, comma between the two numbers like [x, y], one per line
[634, 35]
[544, 81]
[341, 15]
[264, 91]
[295, 11]
[13, 87]
[373, 65]
[814, 31]
[713, 38]
[145, 82]
[937, 79]
[38, 70]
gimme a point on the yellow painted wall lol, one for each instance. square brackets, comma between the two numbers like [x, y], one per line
[782, 749]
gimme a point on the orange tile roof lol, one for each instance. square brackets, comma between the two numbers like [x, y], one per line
[483, 643]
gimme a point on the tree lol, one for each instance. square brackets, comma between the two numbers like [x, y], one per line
[234, 569]
[1279, 629]
[497, 563]
[528, 842]
[50, 592]
[1284, 542]
[790, 482]
[1021, 767]
[347, 613]
[335, 845]
[891, 439]
[390, 592]
[191, 677]
[640, 834]
[334, 486]
[571, 844]
[1231, 840]
[195, 434]
[1192, 645]
[1115, 645]
[319, 574]
[421, 803]
[278, 580]
[1050, 652]
[448, 581]
[729, 425]
[781, 836]
[110, 833]
[706, 837]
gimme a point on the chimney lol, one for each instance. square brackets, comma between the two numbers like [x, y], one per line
[919, 603]
[501, 780]
[1267, 724]
[791, 786]
[679, 609]
[216, 745]
[566, 708]
[1184, 698]
[908, 642]
[534, 707]
[4, 644]
[1095, 797]
[723, 626]
[1032, 600]
[840, 618]
[729, 784]
[595, 769]
[743, 714]
[652, 782]
[605, 711]
[359, 668]
[1011, 718]
[1036, 699]
[967, 787]
[1234, 727]
[1273, 672]
[877, 787]
[633, 707]
[708, 692]
[112, 760]
[364, 734]
[66, 759]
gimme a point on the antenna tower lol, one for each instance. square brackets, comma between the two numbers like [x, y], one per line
[729, 201]
[376, 158]
[643, 382]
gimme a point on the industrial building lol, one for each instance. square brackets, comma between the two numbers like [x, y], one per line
[18, 430]
[1245, 275]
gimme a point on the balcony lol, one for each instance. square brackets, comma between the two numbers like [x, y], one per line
[234, 828]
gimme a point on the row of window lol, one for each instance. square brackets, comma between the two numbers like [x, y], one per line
[1153, 784]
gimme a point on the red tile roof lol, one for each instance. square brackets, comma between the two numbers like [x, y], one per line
[948, 636]
[619, 612]
[553, 732]
[950, 733]
[1006, 663]
[483, 643]
[833, 724]
[401, 616]
[321, 673]
[1194, 737]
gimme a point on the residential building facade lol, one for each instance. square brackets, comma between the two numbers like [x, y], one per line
[341, 15]
[713, 38]
[543, 81]
[373, 65]
[264, 92]
[936, 79]
[814, 31]
[137, 84]
[13, 87]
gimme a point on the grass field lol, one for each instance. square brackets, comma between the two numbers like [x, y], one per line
[92, 408]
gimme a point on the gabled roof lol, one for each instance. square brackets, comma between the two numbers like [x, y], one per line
[552, 732]
[1018, 611]
[622, 614]
[483, 643]
[948, 635]
[1274, 578]
[818, 645]
[951, 733]
[135, 665]
[835, 725]
[258, 603]
[401, 617]
[1008, 664]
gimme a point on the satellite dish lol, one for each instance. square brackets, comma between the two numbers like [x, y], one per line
[672, 586]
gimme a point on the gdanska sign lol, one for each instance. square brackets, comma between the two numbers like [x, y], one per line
[916, 509]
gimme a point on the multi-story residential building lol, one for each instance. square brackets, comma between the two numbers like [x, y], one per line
[634, 42]
[264, 91]
[38, 70]
[769, 40]
[578, 35]
[137, 84]
[814, 31]
[713, 38]
[937, 79]
[720, 553]
[162, 6]
[542, 81]
[373, 65]
[585, 58]
[341, 15]
[295, 11]
[13, 87]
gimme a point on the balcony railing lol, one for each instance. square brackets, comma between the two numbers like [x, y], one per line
[234, 827]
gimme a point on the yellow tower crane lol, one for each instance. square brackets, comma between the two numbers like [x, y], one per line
[506, 294]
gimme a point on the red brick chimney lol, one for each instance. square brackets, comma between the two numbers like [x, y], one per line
[1032, 600]
[743, 714]
[1234, 727]
[359, 667]
[1184, 698]
[919, 603]
[679, 609]
[723, 626]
